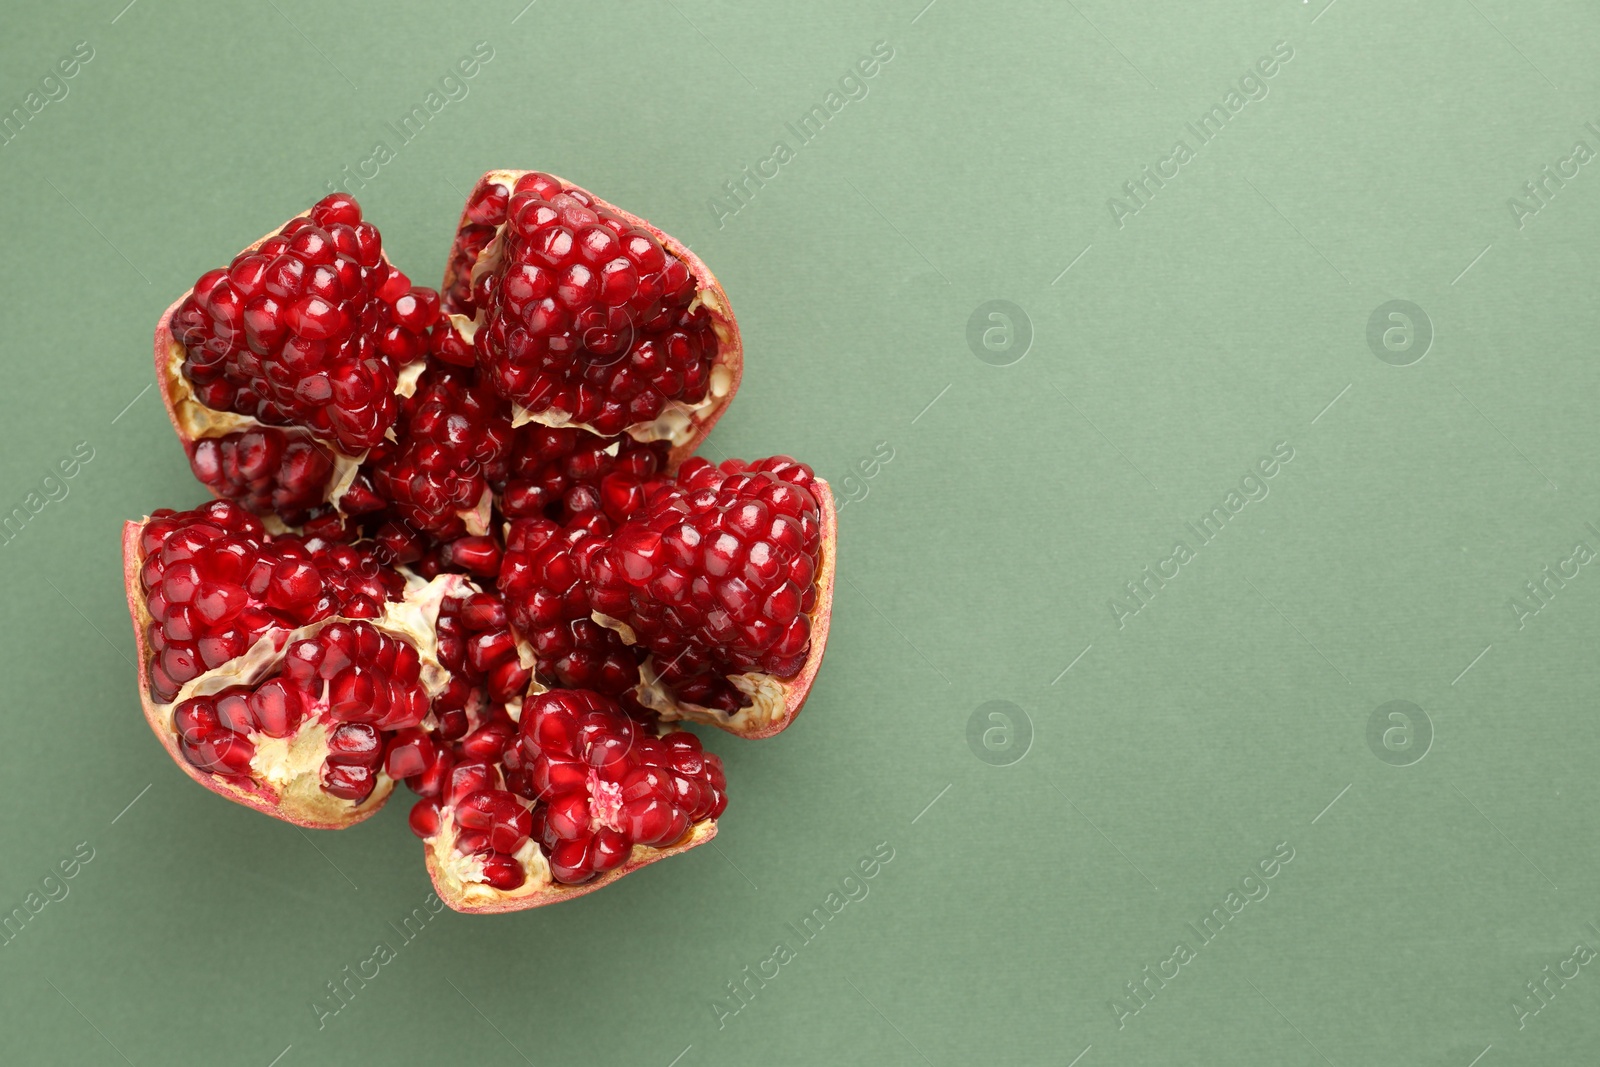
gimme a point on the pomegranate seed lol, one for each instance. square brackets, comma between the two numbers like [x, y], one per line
[425, 818]
[348, 781]
[410, 753]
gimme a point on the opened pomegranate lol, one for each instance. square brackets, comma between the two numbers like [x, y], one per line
[462, 544]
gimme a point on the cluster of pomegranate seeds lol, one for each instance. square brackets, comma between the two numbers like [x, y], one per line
[556, 471]
[308, 329]
[586, 313]
[214, 582]
[212, 733]
[265, 469]
[544, 581]
[714, 573]
[355, 574]
[603, 783]
[454, 437]
[476, 646]
[365, 681]
[471, 240]
[468, 774]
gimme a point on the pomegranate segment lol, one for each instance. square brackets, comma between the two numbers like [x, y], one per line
[281, 370]
[703, 598]
[309, 328]
[275, 669]
[214, 583]
[715, 575]
[605, 786]
[582, 313]
[576, 795]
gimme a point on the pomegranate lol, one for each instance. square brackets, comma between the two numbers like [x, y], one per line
[463, 544]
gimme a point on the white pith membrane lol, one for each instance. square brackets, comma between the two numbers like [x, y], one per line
[677, 420]
[463, 874]
[291, 766]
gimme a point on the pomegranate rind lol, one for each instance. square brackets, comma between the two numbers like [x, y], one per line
[775, 700]
[312, 810]
[480, 899]
[730, 349]
[796, 689]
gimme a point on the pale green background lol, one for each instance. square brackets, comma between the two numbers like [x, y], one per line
[1176, 752]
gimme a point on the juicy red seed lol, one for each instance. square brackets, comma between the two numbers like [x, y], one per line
[477, 555]
[504, 873]
[355, 743]
[224, 753]
[277, 707]
[417, 309]
[336, 208]
[468, 778]
[410, 753]
[195, 719]
[487, 650]
[488, 742]
[348, 781]
[233, 710]
[484, 611]
[488, 205]
[425, 818]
